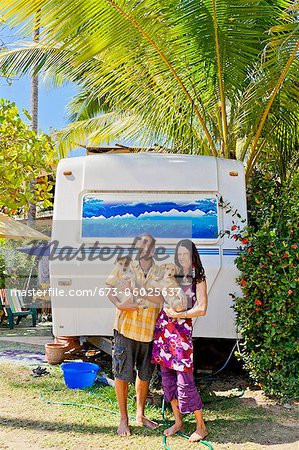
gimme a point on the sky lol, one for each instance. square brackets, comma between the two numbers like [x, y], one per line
[52, 109]
[52, 102]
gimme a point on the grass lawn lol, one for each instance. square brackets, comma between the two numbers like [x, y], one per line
[26, 421]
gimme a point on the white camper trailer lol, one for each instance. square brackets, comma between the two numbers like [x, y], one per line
[103, 200]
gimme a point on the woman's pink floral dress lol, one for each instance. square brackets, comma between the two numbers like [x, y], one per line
[173, 345]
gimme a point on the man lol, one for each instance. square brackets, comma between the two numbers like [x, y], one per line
[133, 336]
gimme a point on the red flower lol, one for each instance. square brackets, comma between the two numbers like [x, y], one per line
[257, 309]
[258, 302]
[243, 282]
[285, 255]
[294, 246]
[249, 250]
[243, 258]
[235, 237]
[245, 241]
[234, 227]
[290, 291]
[274, 324]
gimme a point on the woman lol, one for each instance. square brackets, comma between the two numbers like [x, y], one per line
[173, 348]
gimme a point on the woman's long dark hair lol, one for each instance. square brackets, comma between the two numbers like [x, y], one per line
[197, 272]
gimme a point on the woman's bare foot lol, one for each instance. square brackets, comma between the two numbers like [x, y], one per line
[177, 426]
[142, 420]
[198, 435]
[123, 429]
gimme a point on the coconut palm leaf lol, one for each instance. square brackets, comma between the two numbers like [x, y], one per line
[189, 71]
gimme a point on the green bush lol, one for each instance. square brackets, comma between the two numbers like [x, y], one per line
[267, 313]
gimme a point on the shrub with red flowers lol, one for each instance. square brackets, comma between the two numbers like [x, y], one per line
[267, 313]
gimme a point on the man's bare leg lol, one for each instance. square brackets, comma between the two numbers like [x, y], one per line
[141, 394]
[201, 430]
[178, 421]
[121, 390]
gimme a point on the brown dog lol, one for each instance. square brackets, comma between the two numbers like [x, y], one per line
[120, 276]
[173, 294]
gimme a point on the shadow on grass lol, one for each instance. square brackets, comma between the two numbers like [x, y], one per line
[37, 425]
[260, 431]
[228, 420]
[237, 423]
[17, 423]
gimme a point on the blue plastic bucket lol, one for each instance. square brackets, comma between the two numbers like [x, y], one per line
[79, 374]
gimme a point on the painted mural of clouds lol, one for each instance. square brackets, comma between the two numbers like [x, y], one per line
[94, 207]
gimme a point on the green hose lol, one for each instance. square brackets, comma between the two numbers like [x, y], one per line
[85, 405]
[207, 444]
[164, 443]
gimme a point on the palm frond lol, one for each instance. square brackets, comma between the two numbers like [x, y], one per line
[182, 72]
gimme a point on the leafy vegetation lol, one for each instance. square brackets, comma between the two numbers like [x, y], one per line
[214, 78]
[267, 313]
[24, 156]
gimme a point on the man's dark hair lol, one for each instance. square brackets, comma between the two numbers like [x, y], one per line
[151, 246]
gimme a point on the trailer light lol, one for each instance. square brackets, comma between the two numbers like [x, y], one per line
[234, 174]
[67, 173]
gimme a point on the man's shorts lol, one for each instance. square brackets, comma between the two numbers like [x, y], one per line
[129, 355]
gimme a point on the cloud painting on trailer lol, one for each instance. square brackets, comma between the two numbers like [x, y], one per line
[196, 219]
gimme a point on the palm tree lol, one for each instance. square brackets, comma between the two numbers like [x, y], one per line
[206, 74]
[34, 118]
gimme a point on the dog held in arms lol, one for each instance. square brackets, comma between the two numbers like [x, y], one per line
[121, 275]
[173, 294]
[122, 278]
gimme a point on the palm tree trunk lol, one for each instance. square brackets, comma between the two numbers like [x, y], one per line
[34, 125]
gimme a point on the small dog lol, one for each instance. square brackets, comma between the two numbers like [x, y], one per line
[120, 276]
[174, 295]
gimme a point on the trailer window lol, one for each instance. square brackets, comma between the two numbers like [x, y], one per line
[170, 216]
